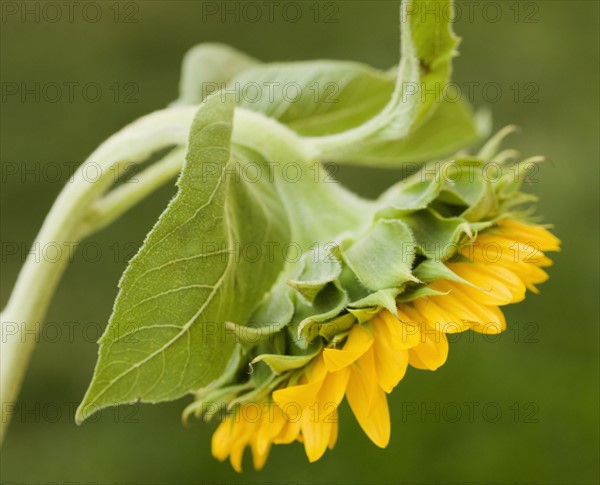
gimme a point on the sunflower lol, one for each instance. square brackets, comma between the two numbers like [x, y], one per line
[493, 269]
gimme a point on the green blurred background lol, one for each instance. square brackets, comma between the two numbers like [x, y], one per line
[541, 375]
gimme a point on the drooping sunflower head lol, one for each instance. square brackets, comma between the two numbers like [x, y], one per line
[445, 251]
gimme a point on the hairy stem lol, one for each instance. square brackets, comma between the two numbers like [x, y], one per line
[112, 206]
[70, 219]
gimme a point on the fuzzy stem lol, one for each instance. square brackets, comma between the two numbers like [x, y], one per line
[112, 206]
[73, 216]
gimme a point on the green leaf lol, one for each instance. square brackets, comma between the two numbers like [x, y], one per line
[432, 269]
[321, 210]
[316, 275]
[491, 147]
[276, 308]
[282, 363]
[412, 194]
[208, 68]
[435, 45]
[380, 299]
[363, 315]
[436, 236]
[341, 323]
[166, 336]
[351, 112]
[218, 389]
[314, 97]
[426, 52]
[449, 128]
[418, 292]
[463, 182]
[273, 313]
[382, 257]
[465, 185]
[328, 304]
[264, 381]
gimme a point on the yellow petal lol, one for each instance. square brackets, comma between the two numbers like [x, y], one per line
[390, 362]
[368, 401]
[259, 454]
[320, 419]
[271, 424]
[237, 453]
[528, 233]
[358, 342]
[459, 307]
[378, 421]
[530, 274]
[317, 370]
[221, 440]
[496, 324]
[334, 387]
[474, 313]
[508, 252]
[439, 315]
[334, 431]
[495, 285]
[316, 432]
[432, 352]
[303, 395]
[391, 372]
[405, 334]
[289, 432]
[360, 387]
[491, 249]
[240, 440]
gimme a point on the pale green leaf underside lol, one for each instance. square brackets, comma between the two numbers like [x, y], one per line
[350, 112]
[427, 48]
[449, 128]
[208, 68]
[314, 98]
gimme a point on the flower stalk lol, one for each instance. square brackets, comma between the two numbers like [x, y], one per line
[81, 209]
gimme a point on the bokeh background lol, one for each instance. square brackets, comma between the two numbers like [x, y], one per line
[522, 408]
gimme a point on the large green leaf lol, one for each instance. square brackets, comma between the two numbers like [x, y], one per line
[426, 50]
[166, 336]
[350, 112]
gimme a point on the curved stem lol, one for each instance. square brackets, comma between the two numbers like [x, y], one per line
[112, 206]
[68, 221]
